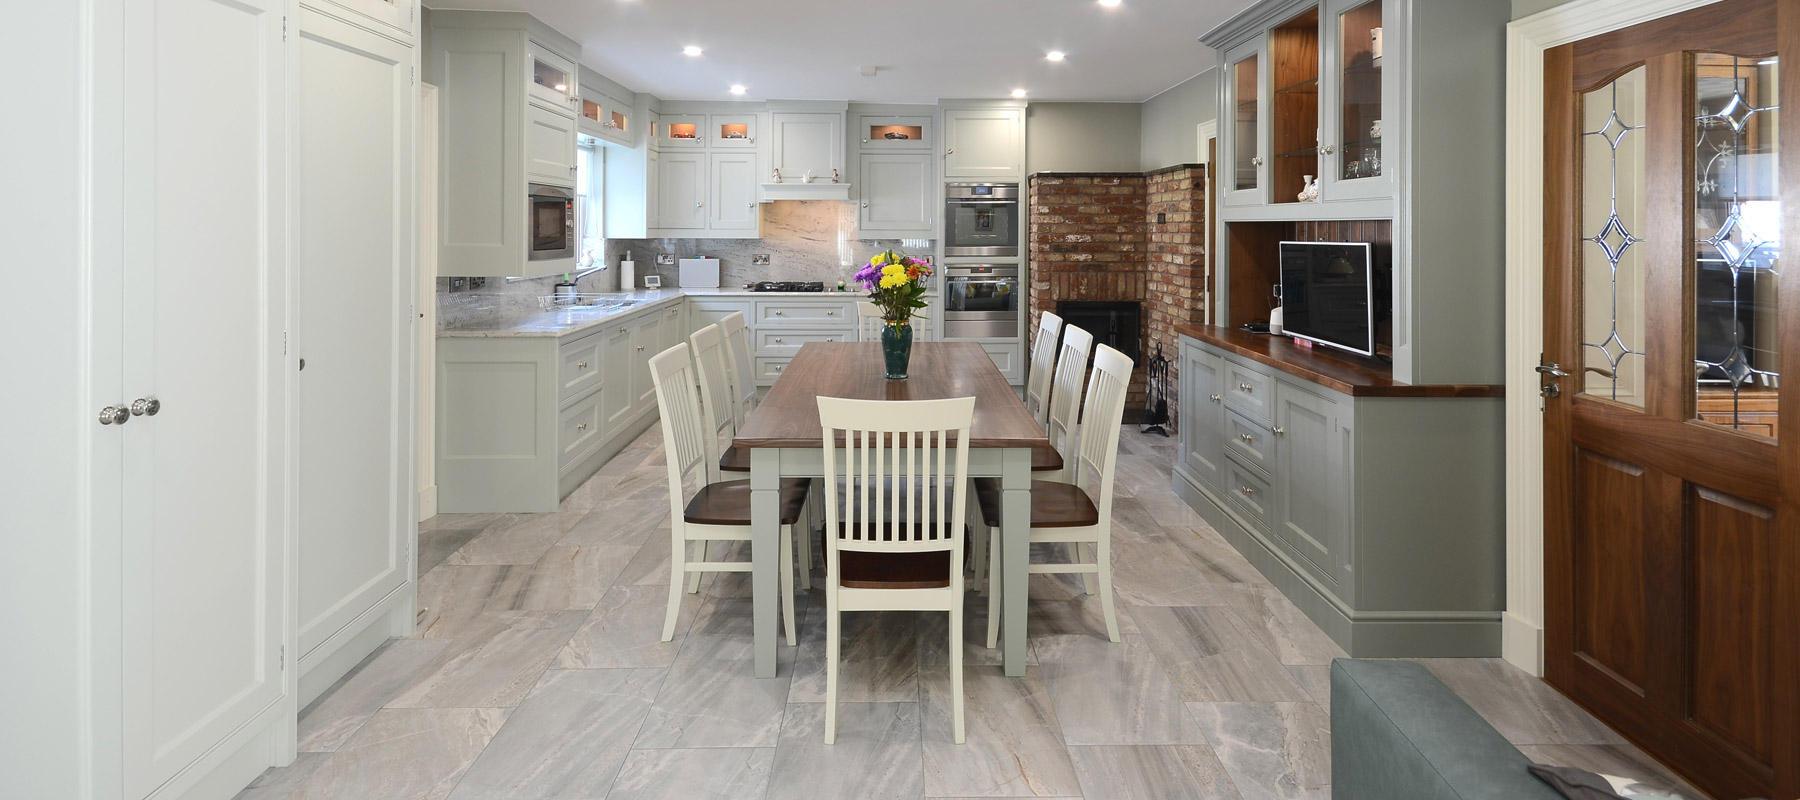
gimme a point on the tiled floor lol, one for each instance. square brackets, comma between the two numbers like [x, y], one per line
[537, 673]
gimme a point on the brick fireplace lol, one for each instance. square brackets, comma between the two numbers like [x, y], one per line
[1121, 237]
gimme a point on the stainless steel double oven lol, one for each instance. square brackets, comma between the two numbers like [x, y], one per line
[981, 301]
[981, 221]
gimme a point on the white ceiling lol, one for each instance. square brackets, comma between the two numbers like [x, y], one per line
[924, 49]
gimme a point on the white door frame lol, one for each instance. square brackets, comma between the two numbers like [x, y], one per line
[1522, 628]
[1203, 133]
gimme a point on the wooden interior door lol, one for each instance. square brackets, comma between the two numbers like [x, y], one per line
[1671, 551]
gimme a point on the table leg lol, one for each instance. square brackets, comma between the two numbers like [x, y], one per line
[765, 538]
[1015, 553]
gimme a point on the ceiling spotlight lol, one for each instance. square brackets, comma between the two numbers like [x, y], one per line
[691, 50]
[738, 88]
[1055, 55]
[1110, 3]
[1018, 93]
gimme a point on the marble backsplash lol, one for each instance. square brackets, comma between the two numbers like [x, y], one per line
[806, 240]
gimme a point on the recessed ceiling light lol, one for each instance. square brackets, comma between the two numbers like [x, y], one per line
[1055, 55]
[1110, 3]
[738, 89]
[691, 50]
[1018, 93]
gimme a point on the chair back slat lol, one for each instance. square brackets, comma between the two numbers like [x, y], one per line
[688, 439]
[903, 465]
[1043, 364]
[1101, 421]
[740, 370]
[1065, 395]
[710, 359]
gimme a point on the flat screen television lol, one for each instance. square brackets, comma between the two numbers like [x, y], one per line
[1329, 294]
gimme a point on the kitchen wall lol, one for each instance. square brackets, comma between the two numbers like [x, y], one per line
[1082, 137]
[1169, 121]
[806, 240]
[1525, 8]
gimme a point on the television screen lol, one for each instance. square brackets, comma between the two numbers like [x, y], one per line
[1328, 294]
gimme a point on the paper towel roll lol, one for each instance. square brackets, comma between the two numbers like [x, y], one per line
[627, 276]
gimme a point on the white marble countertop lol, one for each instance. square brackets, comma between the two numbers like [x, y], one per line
[559, 322]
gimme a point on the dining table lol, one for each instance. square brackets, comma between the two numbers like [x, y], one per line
[785, 440]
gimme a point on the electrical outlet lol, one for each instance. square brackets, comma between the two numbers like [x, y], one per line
[477, 283]
[665, 259]
[458, 285]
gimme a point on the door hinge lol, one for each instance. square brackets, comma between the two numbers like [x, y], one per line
[284, 28]
[284, 343]
[283, 658]
[414, 72]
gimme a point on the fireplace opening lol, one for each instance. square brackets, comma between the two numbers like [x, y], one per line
[1113, 323]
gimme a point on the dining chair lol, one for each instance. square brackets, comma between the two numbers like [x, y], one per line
[1078, 512]
[897, 544]
[740, 369]
[717, 511]
[1043, 363]
[1065, 401]
[712, 363]
[868, 322]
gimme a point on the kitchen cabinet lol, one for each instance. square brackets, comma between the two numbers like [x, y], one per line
[891, 133]
[684, 132]
[550, 78]
[733, 131]
[549, 147]
[391, 18]
[985, 143]
[804, 144]
[1243, 144]
[607, 109]
[1009, 358]
[899, 197]
[733, 194]
[681, 190]
[1202, 422]
[494, 140]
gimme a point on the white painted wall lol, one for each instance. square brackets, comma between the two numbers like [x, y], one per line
[42, 592]
[1082, 137]
[1168, 121]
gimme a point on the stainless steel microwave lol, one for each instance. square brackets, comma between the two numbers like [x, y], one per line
[981, 219]
[550, 222]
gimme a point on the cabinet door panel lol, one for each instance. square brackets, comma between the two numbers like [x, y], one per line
[681, 191]
[733, 131]
[807, 143]
[984, 143]
[549, 79]
[1244, 144]
[646, 334]
[1354, 94]
[1203, 414]
[881, 133]
[205, 511]
[618, 396]
[896, 195]
[734, 206]
[1310, 483]
[549, 147]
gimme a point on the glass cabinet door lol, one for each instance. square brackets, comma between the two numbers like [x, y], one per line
[1294, 106]
[1352, 156]
[1244, 102]
[552, 78]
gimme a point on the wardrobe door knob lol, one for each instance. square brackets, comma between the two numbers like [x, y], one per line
[145, 407]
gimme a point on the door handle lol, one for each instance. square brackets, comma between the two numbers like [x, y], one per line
[114, 415]
[1552, 369]
[145, 407]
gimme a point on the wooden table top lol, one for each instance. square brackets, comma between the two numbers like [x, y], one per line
[789, 415]
[1344, 372]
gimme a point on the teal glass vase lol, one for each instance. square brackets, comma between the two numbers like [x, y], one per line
[896, 348]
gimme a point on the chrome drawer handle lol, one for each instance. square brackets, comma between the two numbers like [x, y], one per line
[621, 330]
[778, 340]
[1247, 438]
[778, 313]
[1278, 430]
[640, 348]
[1247, 491]
[1216, 398]
[1245, 387]
[581, 427]
[830, 313]
[581, 365]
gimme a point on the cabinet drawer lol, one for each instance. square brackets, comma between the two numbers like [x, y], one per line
[1006, 359]
[805, 312]
[1250, 495]
[578, 368]
[578, 428]
[787, 343]
[1248, 390]
[1250, 442]
[768, 369]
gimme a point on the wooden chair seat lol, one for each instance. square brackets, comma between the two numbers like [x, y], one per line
[736, 459]
[728, 503]
[865, 570]
[1046, 459]
[1053, 504]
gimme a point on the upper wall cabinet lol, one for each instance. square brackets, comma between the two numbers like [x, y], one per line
[393, 18]
[984, 143]
[881, 133]
[1309, 92]
[806, 152]
[607, 110]
[551, 80]
[703, 168]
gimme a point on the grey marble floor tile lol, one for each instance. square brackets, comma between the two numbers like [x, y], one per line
[494, 663]
[1273, 751]
[1136, 474]
[570, 577]
[1316, 680]
[437, 544]
[1522, 708]
[630, 514]
[458, 522]
[878, 657]
[277, 783]
[712, 698]
[1212, 658]
[1107, 693]
[1622, 760]
[1014, 745]
[514, 539]
[1163, 574]
[876, 756]
[567, 740]
[1190, 772]
[625, 630]
[934, 635]
[453, 597]
[343, 708]
[650, 565]
[1219, 562]
[1059, 606]
[1280, 625]
[709, 773]
[405, 753]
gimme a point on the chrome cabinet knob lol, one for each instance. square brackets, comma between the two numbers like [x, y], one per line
[950, 152]
[145, 407]
[1246, 437]
[621, 329]
[114, 415]
[640, 348]
[1326, 149]
[865, 204]
[1278, 430]
[778, 340]
[830, 313]
[1245, 387]
[698, 205]
[1247, 491]
[581, 365]
[581, 427]
[1257, 161]
[830, 338]
[778, 313]
[1215, 398]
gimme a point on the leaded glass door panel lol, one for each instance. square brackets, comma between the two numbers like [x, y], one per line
[1672, 554]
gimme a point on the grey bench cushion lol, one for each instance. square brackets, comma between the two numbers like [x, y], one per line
[1398, 732]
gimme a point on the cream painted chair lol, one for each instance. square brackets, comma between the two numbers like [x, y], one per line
[869, 322]
[1043, 364]
[897, 544]
[1078, 512]
[717, 511]
[741, 369]
[712, 362]
[1065, 402]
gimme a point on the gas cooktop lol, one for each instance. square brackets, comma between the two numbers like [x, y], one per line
[786, 286]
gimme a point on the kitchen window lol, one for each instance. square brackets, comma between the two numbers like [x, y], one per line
[590, 206]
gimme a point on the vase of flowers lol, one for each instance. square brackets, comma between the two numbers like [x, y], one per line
[896, 283]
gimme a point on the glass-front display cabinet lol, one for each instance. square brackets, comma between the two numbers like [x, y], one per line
[1352, 160]
[1242, 140]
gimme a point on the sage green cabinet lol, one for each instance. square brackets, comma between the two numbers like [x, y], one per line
[1202, 422]
[984, 143]
[733, 196]
[681, 191]
[897, 196]
[549, 147]
[1311, 481]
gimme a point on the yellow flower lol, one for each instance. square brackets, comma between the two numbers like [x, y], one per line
[893, 281]
[879, 259]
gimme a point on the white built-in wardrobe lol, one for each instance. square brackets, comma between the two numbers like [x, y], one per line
[243, 458]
